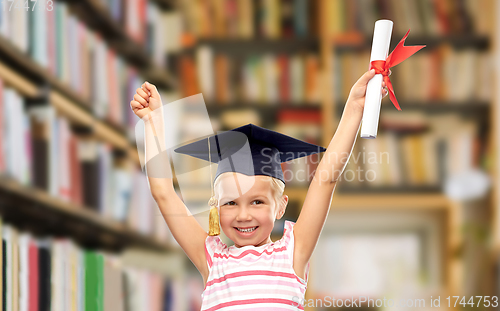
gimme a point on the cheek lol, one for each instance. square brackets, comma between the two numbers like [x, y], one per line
[227, 215]
[266, 214]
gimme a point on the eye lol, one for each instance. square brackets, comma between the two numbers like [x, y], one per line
[258, 202]
[229, 203]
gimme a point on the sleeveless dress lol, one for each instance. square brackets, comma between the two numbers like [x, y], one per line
[253, 278]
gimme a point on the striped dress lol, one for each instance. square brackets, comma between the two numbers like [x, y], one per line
[253, 278]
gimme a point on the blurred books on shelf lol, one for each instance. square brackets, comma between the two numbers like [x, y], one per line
[423, 17]
[39, 150]
[76, 61]
[414, 151]
[442, 73]
[246, 19]
[276, 19]
[47, 273]
[286, 79]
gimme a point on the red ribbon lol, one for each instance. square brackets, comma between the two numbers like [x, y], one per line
[399, 54]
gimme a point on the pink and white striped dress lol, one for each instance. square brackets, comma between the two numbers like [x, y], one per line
[253, 278]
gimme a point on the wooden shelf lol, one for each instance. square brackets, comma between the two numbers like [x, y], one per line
[264, 106]
[267, 111]
[388, 190]
[442, 106]
[254, 46]
[432, 107]
[390, 201]
[166, 4]
[97, 17]
[35, 210]
[361, 42]
[343, 43]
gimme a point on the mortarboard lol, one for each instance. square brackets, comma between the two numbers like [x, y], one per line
[250, 150]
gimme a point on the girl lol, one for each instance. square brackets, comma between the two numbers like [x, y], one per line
[255, 273]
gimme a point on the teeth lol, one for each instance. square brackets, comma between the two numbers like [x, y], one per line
[247, 230]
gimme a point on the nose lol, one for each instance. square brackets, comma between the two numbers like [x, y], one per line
[243, 214]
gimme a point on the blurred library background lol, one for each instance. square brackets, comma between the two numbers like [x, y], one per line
[415, 214]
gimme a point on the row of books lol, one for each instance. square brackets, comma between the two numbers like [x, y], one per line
[442, 73]
[46, 29]
[145, 22]
[131, 15]
[39, 149]
[433, 149]
[247, 19]
[423, 17]
[54, 273]
[269, 78]
[293, 18]
[81, 58]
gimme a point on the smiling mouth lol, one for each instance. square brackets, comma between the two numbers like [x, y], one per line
[249, 229]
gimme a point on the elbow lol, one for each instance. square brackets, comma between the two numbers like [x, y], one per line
[159, 196]
[326, 177]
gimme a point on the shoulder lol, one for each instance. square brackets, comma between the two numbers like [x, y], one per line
[288, 230]
[287, 234]
[214, 244]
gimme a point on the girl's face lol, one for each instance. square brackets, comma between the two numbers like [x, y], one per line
[247, 202]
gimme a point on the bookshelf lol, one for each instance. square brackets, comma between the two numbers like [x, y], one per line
[51, 230]
[422, 197]
[68, 103]
[97, 16]
[38, 84]
[43, 214]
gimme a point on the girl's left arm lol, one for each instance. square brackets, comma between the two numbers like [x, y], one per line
[316, 206]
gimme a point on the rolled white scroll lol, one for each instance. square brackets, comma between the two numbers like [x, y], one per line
[380, 49]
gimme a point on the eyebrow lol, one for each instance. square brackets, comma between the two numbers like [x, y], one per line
[254, 197]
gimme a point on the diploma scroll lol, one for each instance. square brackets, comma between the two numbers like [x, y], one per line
[380, 49]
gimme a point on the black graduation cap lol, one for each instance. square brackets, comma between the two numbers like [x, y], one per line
[250, 150]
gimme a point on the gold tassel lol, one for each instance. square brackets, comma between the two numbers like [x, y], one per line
[213, 220]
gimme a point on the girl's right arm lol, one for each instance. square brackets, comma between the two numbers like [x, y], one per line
[184, 227]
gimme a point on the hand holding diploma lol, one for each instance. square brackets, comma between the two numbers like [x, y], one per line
[381, 63]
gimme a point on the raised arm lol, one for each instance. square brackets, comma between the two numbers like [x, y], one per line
[184, 227]
[318, 199]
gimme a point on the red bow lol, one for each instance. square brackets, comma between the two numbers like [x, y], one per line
[399, 54]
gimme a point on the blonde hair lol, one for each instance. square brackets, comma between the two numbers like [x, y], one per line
[277, 186]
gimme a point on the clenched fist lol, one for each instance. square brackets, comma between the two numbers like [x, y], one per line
[146, 99]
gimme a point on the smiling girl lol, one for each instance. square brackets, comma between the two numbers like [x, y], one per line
[255, 273]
